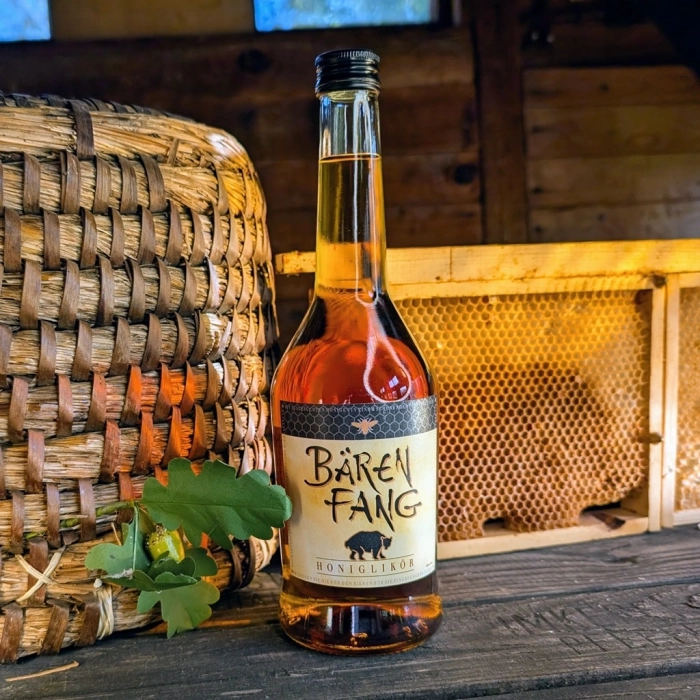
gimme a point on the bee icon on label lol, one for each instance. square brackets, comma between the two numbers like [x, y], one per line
[365, 425]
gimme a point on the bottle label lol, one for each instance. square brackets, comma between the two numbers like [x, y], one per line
[363, 484]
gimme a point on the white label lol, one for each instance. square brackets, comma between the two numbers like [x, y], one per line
[364, 507]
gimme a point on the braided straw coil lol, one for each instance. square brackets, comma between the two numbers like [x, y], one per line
[137, 324]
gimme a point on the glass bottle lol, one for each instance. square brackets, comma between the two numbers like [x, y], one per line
[354, 410]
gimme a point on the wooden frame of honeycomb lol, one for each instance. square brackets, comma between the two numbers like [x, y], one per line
[555, 400]
[681, 460]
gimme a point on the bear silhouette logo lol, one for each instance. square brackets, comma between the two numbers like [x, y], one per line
[362, 543]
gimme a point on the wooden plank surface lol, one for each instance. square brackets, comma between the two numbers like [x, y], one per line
[597, 44]
[436, 118]
[559, 623]
[498, 540]
[616, 223]
[671, 382]
[602, 132]
[657, 364]
[685, 686]
[256, 68]
[514, 262]
[107, 19]
[409, 180]
[610, 86]
[498, 39]
[566, 182]
[406, 226]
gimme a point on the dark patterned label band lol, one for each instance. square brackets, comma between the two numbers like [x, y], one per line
[365, 421]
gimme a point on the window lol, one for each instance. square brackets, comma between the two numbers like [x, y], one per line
[24, 20]
[271, 15]
[32, 20]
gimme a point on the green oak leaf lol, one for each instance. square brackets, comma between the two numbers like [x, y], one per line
[184, 607]
[204, 565]
[166, 563]
[120, 560]
[141, 581]
[216, 502]
[197, 563]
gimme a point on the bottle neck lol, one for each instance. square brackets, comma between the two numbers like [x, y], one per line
[350, 237]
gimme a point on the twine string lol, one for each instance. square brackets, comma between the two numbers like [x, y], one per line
[104, 597]
[43, 578]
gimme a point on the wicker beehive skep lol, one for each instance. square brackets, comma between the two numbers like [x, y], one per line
[122, 398]
[35, 295]
[137, 324]
[90, 612]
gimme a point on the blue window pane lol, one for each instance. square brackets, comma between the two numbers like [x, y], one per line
[24, 20]
[271, 15]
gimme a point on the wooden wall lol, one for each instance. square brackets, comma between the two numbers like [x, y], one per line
[613, 153]
[260, 88]
[591, 133]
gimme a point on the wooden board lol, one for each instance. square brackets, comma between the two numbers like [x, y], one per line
[597, 44]
[567, 621]
[409, 180]
[644, 561]
[657, 363]
[181, 74]
[685, 686]
[407, 226]
[602, 132]
[610, 86]
[497, 539]
[498, 38]
[638, 260]
[566, 182]
[687, 517]
[436, 118]
[616, 223]
[110, 19]
[670, 432]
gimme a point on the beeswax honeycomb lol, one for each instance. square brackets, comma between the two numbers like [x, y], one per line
[543, 404]
[688, 458]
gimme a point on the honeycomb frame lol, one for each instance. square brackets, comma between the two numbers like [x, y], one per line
[645, 271]
[543, 399]
[681, 468]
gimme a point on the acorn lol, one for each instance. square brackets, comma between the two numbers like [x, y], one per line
[164, 542]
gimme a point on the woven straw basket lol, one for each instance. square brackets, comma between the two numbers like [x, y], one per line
[137, 324]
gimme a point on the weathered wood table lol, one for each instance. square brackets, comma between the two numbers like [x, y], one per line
[615, 618]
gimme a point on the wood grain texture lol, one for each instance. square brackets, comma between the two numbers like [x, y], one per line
[565, 182]
[106, 19]
[636, 260]
[613, 153]
[254, 68]
[497, 539]
[685, 686]
[616, 223]
[619, 613]
[594, 43]
[498, 39]
[610, 86]
[596, 132]
[409, 180]
[436, 118]
[407, 226]
[671, 387]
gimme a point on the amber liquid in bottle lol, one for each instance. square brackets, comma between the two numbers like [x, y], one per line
[352, 348]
